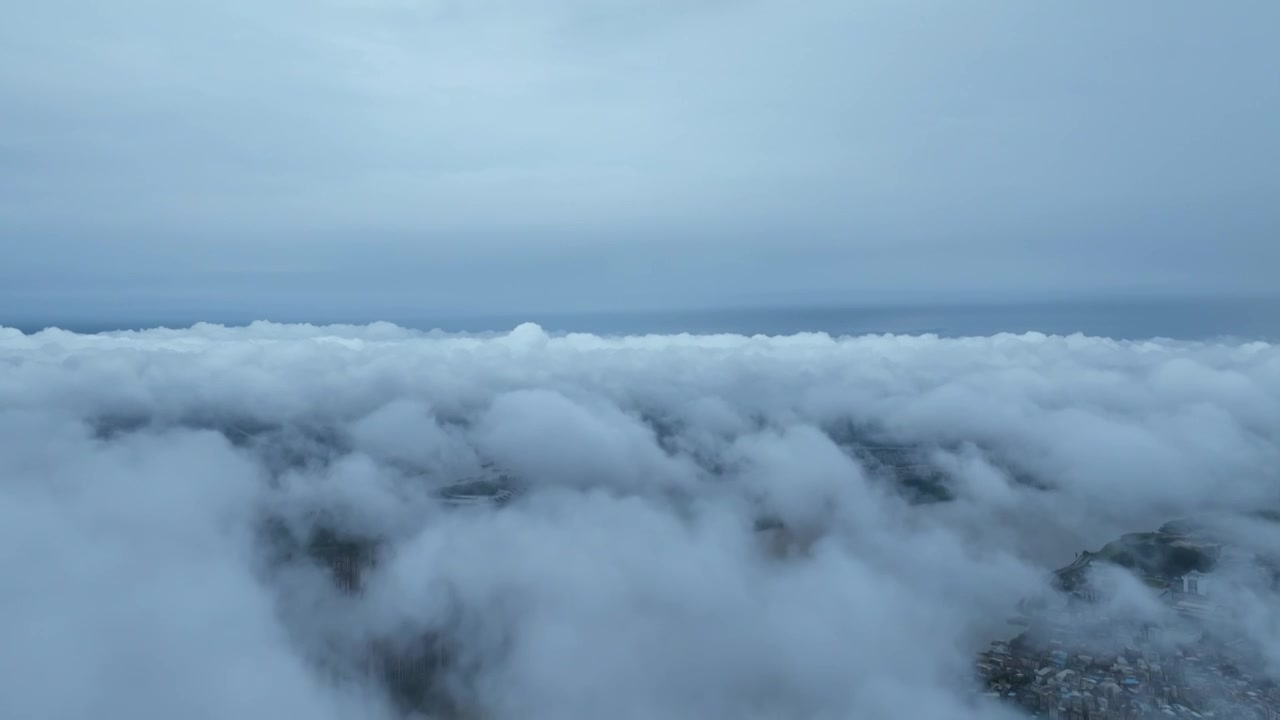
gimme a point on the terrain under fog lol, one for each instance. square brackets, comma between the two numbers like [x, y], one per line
[666, 526]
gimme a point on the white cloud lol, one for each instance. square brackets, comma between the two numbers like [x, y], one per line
[135, 469]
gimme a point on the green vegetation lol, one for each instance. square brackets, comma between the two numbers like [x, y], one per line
[1156, 557]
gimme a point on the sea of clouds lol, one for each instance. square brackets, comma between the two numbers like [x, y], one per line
[628, 579]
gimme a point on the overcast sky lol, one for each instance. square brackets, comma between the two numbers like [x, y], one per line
[375, 155]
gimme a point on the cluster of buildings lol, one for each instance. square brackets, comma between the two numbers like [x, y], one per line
[1058, 680]
[1080, 665]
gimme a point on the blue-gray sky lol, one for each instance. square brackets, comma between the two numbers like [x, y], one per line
[369, 156]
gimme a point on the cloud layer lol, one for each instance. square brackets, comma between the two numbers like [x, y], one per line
[361, 156]
[627, 579]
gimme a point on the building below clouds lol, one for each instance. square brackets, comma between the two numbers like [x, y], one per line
[1083, 661]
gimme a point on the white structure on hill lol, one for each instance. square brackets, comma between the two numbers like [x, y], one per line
[1194, 583]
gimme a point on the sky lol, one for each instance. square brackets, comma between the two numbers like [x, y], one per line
[327, 161]
[625, 579]
[360, 158]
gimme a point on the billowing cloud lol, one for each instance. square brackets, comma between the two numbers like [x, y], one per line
[912, 489]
